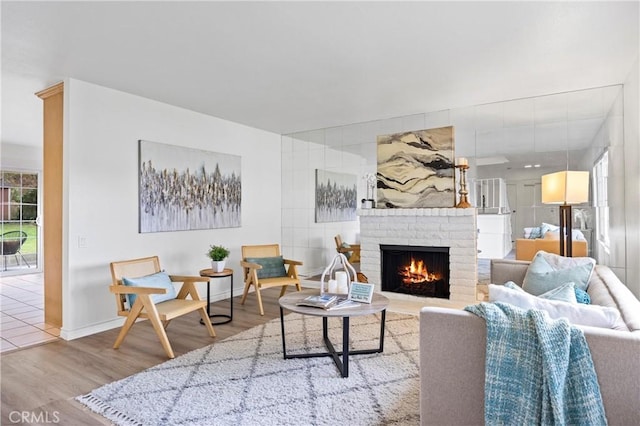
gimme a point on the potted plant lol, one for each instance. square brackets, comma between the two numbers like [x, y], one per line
[218, 255]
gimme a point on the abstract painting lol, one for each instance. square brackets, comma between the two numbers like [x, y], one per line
[184, 188]
[416, 169]
[336, 196]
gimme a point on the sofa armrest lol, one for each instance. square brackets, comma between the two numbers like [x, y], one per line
[452, 367]
[452, 358]
[616, 358]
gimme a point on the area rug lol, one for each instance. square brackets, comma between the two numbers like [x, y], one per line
[244, 380]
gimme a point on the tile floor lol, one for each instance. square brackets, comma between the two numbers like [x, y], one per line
[22, 313]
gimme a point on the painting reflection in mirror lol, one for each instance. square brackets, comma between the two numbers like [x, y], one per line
[336, 196]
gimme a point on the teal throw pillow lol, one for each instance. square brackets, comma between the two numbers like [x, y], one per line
[159, 280]
[548, 271]
[544, 228]
[348, 253]
[271, 266]
[535, 233]
[512, 286]
[582, 296]
[565, 293]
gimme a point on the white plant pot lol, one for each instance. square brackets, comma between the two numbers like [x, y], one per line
[218, 265]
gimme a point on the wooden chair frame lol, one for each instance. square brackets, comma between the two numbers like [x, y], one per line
[354, 249]
[251, 272]
[159, 314]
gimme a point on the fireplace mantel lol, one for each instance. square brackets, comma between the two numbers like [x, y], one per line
[445, 227]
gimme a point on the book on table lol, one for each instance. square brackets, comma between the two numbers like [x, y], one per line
[343, 302]
[327, 301]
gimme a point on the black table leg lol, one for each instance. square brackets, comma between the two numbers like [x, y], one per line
[228, 317]
[284, 345]
[341, 364]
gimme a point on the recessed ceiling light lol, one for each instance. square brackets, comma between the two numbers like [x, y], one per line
[536, 165]
[528, 166]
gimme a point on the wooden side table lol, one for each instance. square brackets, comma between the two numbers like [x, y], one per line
[227, 272]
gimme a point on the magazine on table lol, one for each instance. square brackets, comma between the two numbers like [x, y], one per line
[318, 301]
[343, 302]
[328, 302]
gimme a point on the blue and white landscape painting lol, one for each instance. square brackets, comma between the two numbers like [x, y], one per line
[183, 188]
[416, 169]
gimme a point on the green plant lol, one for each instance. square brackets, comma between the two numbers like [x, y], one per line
[218, 253]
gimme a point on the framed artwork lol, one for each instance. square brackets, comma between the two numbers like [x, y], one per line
[416, 169]
[361, 292]
[336, 196]
[183, 188]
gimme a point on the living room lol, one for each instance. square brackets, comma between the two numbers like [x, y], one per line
[104, 122]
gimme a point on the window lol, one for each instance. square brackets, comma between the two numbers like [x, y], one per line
[601, 199]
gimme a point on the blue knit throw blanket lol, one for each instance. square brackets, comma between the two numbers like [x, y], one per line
[539, 371]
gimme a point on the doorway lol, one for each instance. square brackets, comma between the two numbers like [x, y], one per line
[20, 234]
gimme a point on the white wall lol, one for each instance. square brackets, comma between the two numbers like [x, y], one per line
[20, 157]
[632, 177]
[102, 129]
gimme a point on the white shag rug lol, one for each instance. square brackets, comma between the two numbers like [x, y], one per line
[244, 380]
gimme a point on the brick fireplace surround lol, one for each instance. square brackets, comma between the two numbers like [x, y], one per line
[440, 227]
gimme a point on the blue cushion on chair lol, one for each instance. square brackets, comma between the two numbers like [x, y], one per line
[271, 266]
[158, 280]
[347, 253]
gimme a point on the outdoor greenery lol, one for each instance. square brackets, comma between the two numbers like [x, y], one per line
[31, 244]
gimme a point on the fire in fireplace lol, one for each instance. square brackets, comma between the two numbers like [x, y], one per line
[415, 270]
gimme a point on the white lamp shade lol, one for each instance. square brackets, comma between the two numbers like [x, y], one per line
[567, 187]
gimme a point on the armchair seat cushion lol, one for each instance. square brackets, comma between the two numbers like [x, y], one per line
[271, 266]
[265, 282]
[157, 280]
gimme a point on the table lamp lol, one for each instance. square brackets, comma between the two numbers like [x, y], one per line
[565, 188]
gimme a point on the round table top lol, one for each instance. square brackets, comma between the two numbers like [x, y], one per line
[289, 300]
[209, 273]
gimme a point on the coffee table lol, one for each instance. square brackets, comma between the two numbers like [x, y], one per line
[379, 303]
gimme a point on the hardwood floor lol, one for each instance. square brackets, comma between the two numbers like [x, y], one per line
[39, 383]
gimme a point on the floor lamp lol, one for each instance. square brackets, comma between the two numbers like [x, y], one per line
[565, 188]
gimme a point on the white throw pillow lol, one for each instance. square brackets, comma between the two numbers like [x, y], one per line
[551, 227]
[578, 314]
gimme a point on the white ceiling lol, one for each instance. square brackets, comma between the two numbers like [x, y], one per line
[293, 66]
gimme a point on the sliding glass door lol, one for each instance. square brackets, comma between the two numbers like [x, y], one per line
[19, 224]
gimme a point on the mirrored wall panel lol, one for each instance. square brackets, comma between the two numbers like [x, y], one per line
[509, 145]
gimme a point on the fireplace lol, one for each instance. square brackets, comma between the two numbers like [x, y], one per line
[415, 270]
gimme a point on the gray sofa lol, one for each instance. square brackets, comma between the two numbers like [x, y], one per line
[452, 354]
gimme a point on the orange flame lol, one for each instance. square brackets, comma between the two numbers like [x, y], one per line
[417, 272]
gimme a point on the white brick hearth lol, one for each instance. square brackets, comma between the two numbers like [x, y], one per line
[440, 227]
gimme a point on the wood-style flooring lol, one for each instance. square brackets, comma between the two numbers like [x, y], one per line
[40, 383]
